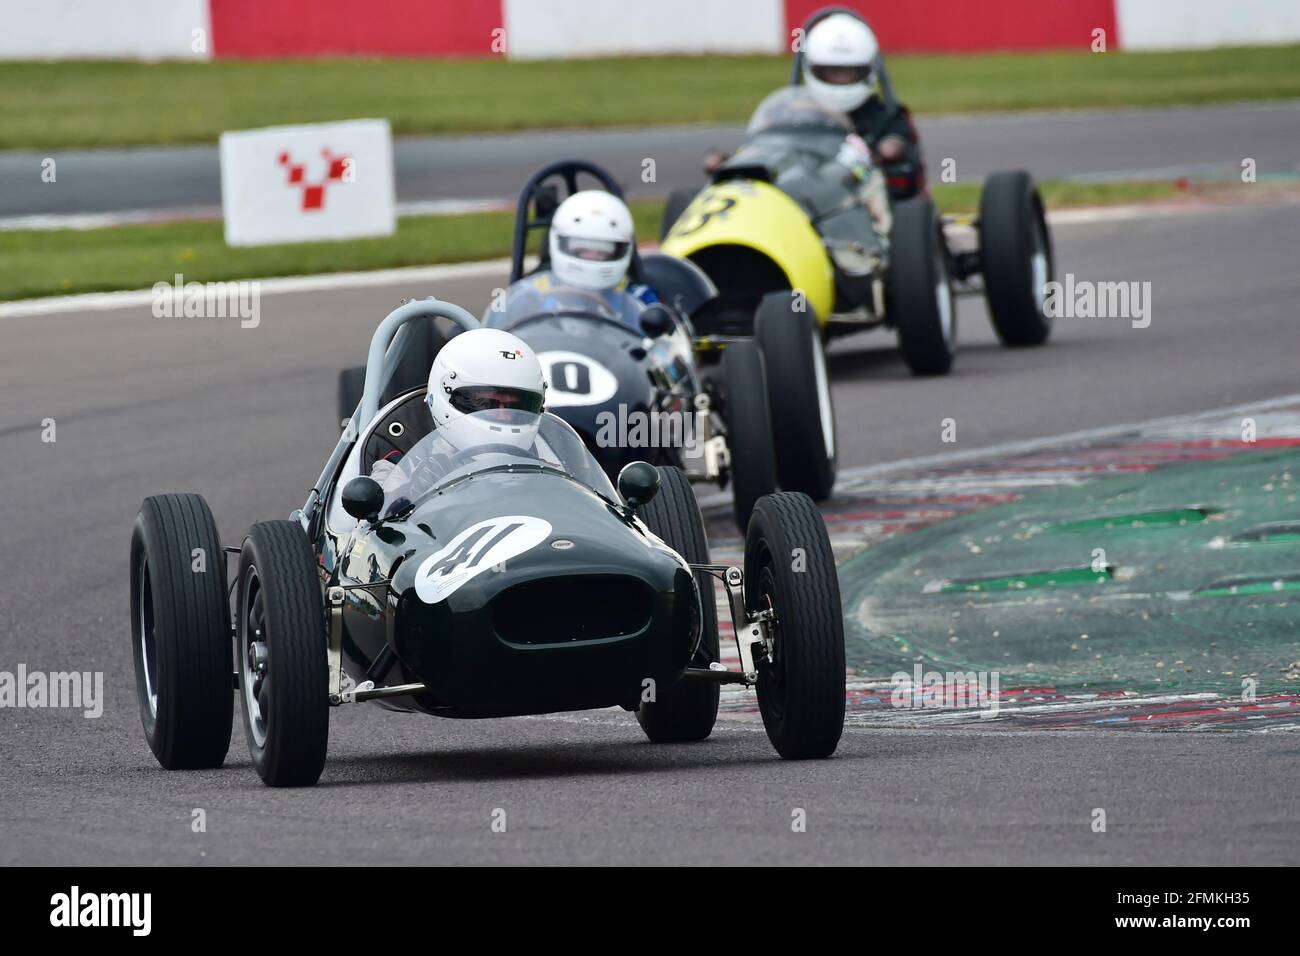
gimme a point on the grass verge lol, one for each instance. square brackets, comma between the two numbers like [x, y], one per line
[35, 263]
[79, 104]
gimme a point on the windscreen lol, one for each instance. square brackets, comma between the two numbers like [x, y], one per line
[530, 298]
[792, 108]
[495, 439]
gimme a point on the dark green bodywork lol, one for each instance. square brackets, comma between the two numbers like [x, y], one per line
[597, 617]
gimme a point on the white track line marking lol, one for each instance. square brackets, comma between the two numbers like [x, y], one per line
[278, 285]
[99, 301]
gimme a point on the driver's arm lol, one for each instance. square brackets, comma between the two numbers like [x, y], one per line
[894, 139]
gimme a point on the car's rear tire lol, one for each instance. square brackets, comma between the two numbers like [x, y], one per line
[921, 303]
[180, 629]
[677, 202]
[799, 394]
[1016, 253]
[789, 568]
[686, 711]
[749, 428]
[352, 382]
[284, 683]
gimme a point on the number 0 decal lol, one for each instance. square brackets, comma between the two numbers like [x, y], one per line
[576, 379]
[475, 550]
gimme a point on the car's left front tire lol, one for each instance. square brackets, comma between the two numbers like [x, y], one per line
[790, 571]
[687, 710]
[1017, 258]
[280, 642]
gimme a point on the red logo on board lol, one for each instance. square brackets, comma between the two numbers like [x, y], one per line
[313, 194]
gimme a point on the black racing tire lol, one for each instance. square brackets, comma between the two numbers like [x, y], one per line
[789, 567]
[180, 630]
[352, 382]
[921, 302]
[286, 712]
[749, 428]
[677, 202]
[687, 711]
[1016, 253]
[799, 394]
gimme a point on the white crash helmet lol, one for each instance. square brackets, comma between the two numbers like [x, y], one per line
[486, 388]
[591, 240]
[839, 62]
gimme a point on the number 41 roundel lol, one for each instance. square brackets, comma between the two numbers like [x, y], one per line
[475, 550]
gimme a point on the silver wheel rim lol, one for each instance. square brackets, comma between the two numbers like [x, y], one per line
[148, 642]
[824, 407]
[943, 300]
[1038, 271]
[252, 631]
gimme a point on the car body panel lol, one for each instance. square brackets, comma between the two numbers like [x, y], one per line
[758, 216]
[601, 374]
[579, 618]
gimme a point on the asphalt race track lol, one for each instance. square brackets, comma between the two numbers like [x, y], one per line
[1162, 143]
[245, 417]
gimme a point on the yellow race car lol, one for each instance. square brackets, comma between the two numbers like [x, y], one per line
[798, 227]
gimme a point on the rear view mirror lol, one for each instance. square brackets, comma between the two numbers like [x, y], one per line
[638, 483]
[656, 320]
[362, 498]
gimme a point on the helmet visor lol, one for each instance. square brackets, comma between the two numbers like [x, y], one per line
[480, 398]
[843, 75]
[592, 250]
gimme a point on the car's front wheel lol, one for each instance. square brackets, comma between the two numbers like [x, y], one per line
[280, 641]
[921, 302]
[180, 632]
[790, 572]
[1016, 253]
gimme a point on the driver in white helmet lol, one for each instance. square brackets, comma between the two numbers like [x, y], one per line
[485, 395]
[590, 243]
[840, 70]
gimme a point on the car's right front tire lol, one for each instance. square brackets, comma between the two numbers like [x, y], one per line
[921, 302]
[280, 642]
[180, 630]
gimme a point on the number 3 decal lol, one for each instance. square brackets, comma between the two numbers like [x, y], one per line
[710, 206]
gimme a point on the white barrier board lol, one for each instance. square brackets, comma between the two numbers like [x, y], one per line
[304, 183]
